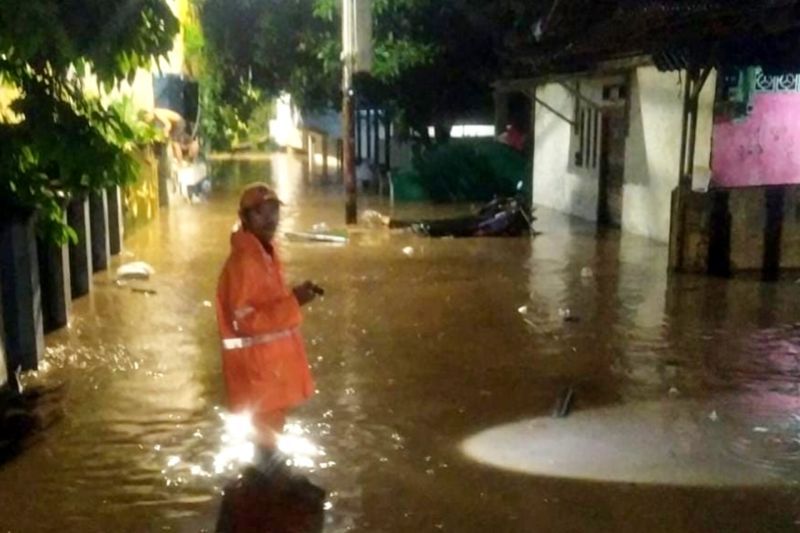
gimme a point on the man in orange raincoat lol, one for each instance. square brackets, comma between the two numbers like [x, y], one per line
[264, 359]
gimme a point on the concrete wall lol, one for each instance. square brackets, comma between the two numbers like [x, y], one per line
[754, 229]
[761, 149]
[652, 152]
[557, 182]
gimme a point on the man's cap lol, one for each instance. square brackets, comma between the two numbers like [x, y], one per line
[256, 194]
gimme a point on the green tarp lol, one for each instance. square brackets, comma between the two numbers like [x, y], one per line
[463, 170]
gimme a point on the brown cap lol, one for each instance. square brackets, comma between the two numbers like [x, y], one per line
[256, 194]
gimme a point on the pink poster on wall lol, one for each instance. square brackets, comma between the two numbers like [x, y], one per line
[762, 148]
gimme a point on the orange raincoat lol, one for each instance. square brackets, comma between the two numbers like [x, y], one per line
[264, 359]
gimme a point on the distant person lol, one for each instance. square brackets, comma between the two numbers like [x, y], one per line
[513, 137]
[190, 147]
[264, 359]
[365, 175]
[173, 127]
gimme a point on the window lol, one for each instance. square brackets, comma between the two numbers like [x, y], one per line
[588, 137]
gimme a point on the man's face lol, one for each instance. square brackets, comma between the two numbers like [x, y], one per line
[262, 221]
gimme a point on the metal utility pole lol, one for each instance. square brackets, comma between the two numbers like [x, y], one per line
[356, 57]
[348, 140]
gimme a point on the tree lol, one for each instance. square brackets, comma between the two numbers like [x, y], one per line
[434, 59]
[253, 50]
[61, 142]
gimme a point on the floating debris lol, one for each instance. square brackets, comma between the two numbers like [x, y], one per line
[408, 250]
[587, 273]
[566, 314]
[139, 290]
[523, 310]
[374, 218]
[673, 391]
[713, 416]
[330, 238]
[564, 403]
[760, 429]
[135, 270]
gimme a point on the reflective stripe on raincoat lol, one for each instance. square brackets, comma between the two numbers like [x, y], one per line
[263, 356]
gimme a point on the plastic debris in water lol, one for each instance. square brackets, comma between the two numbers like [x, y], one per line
[673, 391]
[322, 227]
[143, 291]
[207, 303]
[713, 416]
[408, 250]
[135, 270]
[566, 314]
[564, 403]
[316, 237]
[587, 272]
[760, 429]
[523, 310]
[374, 218]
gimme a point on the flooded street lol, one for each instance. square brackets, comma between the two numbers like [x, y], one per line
[438, 363]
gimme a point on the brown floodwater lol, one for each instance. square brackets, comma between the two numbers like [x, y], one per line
[438, 364]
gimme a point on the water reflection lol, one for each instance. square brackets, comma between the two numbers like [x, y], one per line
[258, 504]
[301, 452]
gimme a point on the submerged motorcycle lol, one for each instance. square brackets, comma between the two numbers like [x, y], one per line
[502, 217]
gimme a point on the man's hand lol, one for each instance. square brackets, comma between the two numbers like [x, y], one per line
[306, 292]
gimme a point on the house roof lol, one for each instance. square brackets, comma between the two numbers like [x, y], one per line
[577, 34]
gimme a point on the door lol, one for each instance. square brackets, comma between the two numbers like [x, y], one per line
[612, 167]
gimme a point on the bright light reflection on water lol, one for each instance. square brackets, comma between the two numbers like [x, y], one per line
[302, 452]
[236, 450]
[237, 447]
[661, 442]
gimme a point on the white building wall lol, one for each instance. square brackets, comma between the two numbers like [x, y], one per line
[558, 183]
[652, 153]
